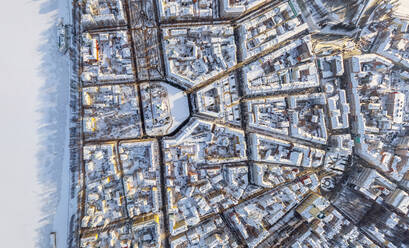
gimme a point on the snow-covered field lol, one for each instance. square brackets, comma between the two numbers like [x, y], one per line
[179, 106]
[34, 101]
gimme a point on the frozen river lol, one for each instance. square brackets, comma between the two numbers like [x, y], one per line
[20, 191]
[33, 122]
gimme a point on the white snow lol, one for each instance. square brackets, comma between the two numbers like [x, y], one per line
[178, 104]
[34, 100]
[403, 8]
